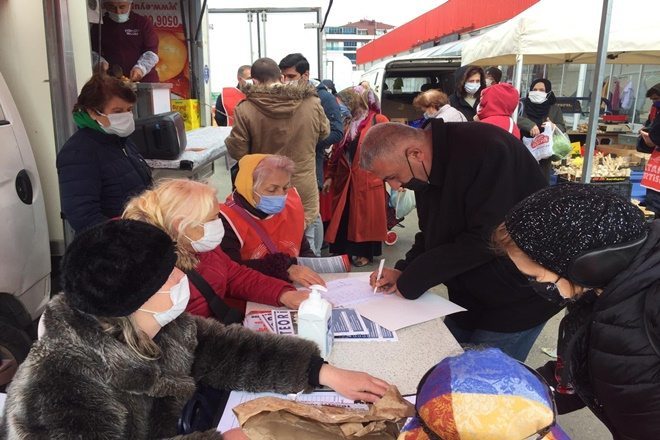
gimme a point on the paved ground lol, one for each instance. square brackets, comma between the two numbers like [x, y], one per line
[580, 425]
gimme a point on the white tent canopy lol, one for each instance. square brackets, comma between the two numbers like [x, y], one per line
[565, 31]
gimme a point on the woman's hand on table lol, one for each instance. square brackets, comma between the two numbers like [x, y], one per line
[293, 298]
[304, 276]
[387, 281]
[235, 434]
[354, 385]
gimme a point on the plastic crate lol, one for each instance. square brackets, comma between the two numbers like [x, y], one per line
[623, 189]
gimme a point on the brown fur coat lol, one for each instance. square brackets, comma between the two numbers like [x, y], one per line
[79, 382]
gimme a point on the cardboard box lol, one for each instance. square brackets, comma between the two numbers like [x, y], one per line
[622, 150]
[614, 128]
[189, 109]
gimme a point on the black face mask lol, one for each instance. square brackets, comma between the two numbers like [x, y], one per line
[416, 184]
[548, 291]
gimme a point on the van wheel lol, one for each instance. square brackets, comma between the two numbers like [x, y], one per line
[14, 348]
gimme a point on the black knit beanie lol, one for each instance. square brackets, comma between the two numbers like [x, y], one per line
[112, 269]
[560, 223]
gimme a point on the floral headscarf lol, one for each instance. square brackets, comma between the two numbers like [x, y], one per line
[361, 102]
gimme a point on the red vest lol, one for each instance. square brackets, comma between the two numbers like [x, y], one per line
[231, 96]
[285, 229]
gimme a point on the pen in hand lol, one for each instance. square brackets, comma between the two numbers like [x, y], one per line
[379, 274]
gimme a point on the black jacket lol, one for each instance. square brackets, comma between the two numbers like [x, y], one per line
[479, 173]
[98, 173]
[333, 113]
[459, 103]
[614, 355]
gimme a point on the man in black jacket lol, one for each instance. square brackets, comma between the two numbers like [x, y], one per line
[466, 177]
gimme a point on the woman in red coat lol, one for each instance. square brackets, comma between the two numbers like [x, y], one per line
[188, 212]
[359, 222]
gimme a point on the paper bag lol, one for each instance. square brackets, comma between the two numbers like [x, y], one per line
[271, 418]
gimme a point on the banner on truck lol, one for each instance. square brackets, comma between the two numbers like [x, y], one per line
[173, 66]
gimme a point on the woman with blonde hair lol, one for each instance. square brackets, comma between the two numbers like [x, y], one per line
[119, 359]
[435, 105]
[188, 212]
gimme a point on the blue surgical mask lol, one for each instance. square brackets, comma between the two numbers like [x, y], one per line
[118, 18]
[271, 204]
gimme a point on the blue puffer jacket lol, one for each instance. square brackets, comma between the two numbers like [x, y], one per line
[98, 173]
[333, 113]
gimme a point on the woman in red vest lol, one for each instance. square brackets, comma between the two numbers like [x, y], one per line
[264, 220]
[359, 221]
[188, 212]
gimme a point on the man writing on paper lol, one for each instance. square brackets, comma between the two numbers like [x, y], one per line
[466, 176]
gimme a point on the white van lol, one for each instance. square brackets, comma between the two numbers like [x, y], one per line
[24, 246]
[399, 80]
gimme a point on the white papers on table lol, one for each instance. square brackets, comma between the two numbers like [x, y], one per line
[326, 398]
[349, 291]
[336, 264]
[394, 312]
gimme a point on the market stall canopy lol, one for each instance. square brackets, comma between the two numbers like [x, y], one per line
[566, 31]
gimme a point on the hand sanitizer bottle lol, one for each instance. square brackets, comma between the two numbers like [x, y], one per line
[315, 320]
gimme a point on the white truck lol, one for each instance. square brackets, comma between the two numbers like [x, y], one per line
[397, 81]
[25, 252]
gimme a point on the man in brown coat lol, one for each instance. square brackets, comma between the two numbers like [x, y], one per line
[281, 119]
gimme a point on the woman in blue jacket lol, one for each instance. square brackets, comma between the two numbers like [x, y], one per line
[99, 168]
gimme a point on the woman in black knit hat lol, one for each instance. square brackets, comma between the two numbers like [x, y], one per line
[593, 251]
[118, 358]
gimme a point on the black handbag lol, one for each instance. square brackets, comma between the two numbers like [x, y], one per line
[201, 412]
[222, 312]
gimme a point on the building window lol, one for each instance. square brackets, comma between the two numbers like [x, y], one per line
[333, 30]
[362, 32]
[381, 31]
[350, 56]
[351, 44]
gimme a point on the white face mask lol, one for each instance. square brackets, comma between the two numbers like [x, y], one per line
[214, 232]
[471, 88]
[118, 18]
[121, 124]
[537, 97]
[489, 82]
[179, 294]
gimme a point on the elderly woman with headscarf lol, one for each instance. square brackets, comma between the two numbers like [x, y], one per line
[264, 220]
[358, 224]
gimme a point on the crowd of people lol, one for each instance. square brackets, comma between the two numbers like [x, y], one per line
[158, 271]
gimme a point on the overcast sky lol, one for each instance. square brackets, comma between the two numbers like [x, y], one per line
[389, 12]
